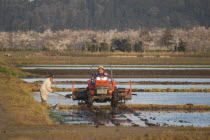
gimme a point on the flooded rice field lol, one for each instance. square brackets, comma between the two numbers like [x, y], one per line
[171, 98]
[198, 80]
[128, 117]
[162, 98]
[125, 116]
[140, 86]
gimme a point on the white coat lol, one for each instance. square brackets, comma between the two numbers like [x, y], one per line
[45, 89]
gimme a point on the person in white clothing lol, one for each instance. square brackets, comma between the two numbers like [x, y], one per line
[46, 88]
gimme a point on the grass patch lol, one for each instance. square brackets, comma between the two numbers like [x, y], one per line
[13, 72]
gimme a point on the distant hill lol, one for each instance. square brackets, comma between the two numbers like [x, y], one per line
[40, 15]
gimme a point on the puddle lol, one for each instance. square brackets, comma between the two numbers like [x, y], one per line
[200, 80]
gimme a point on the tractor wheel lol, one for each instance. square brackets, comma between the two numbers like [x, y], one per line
[89, 100]
[115, 98]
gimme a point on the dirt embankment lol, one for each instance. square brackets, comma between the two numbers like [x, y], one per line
[127, 73]
[18, 105]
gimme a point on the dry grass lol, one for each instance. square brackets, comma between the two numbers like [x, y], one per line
[64, 132]
[100, 58]
[18, 104]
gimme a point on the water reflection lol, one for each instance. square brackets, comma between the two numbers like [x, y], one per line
[195, 119]
[164, 98]
[160, 118]
[170, 98]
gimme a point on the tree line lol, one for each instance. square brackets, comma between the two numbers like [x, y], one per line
[40, 15]
[141, 40]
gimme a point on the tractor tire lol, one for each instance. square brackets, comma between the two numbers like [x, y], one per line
[115, 98]
[89, 100]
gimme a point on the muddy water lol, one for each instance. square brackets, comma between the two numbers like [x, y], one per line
[140, 118]
[107, 117]
[111, 117]
[165, 98]
[200, 80]
[196, 119]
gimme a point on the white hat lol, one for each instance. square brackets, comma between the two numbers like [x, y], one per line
[100, 67]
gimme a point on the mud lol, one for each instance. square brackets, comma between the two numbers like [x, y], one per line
[128, 117]
[100, 116]
[126, 73]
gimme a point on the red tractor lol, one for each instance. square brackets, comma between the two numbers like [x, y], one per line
[102, 89]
